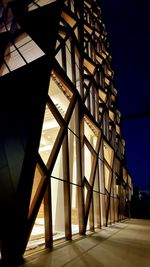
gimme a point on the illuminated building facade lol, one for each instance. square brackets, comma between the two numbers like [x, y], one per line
[62, 156]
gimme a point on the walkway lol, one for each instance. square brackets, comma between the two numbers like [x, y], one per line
[125, 244]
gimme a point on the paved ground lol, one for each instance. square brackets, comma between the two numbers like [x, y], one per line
[125, 244]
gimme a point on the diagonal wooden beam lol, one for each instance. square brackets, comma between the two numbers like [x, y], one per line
[109, 193]
[50, 165]
[67, 198]
[92, 179]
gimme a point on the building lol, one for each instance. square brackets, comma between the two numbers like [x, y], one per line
[62, 156]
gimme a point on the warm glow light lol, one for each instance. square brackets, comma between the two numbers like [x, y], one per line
[50, 124]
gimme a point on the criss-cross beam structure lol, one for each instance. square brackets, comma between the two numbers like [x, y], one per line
[62, 156]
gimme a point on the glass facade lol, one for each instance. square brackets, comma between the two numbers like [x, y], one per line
[80, 180]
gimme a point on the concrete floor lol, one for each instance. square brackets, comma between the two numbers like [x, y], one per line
[125, 244]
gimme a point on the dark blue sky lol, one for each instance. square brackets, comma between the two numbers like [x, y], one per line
[128, 27]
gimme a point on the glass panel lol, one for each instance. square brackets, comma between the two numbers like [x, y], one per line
[10, 48]
[45, 2]
[96, 182]
[68, 19]
[36, 182]
[88, 160]
[58, 221]
[89, 66]
[59, 57]
[116, 209]
[62, 34]
[76, 32]
[111, 115]
[37, 236]
[107, 178]
[103, 210]
[14, 60]
[112, 185]
[109, 212]
[74, 121]
[32, 7]
[72, 6]
[77, 69]
[58, 95]
[57, 44]
[90, 222]
[108, 154]
[101, 177]
[96, 104]
[68, 60]
[117, 166]
[3, 70]
[96, 199]
[50, 131]
[112, 206]
[31, 51]
[89, 30]
[73, 142]
[58, 167]
[85, 193]
[22, 39]
[87, 81]
[92, 101]
[74, 209]
[102, 95]
[87, 103]
[90, 133]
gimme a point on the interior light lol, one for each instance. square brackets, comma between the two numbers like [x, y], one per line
[50, 125]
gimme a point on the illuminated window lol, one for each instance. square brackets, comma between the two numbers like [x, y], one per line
[37, 3]
[74, 209]
[68, 19]
[37, 236]
[108, 154]
[58, 220]
[23, 51]
[91, 133]
[107, 172]
[50, 130]
[59, 94]
[73, 157]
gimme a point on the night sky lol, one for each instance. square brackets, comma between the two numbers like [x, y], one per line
[128, 27]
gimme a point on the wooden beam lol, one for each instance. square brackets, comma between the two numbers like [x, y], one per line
[48, 216]
[67, 198]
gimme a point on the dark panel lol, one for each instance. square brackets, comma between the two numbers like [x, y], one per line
[22, 105]
[41, 24]
[4, 39]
